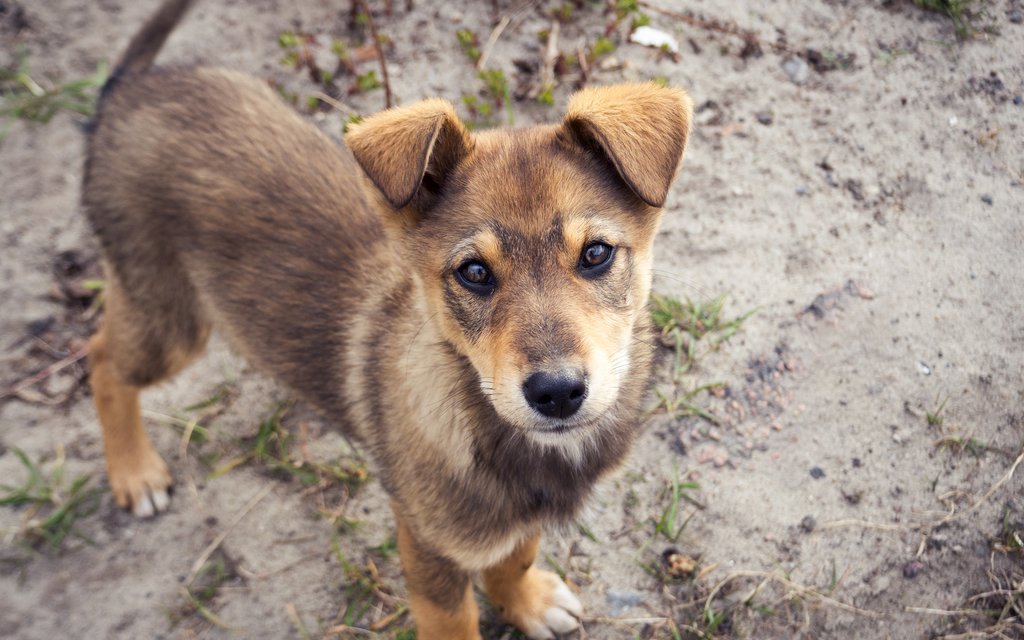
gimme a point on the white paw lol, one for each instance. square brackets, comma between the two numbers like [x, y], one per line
[152, 503]
[562, 616]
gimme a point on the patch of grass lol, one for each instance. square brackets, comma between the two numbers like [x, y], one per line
[469, 43]
[351, 120]
[387, 549]
[271, 448]
[586, 531]
[601, 47]
[998, 610]
[934, 418]
[365, 593]
[631, 9]
[960, 444]
[546, 96]
[24, 97]
[495, 96]
[555, 566]
[53, 507]
[682, 405]
[668, 524]
[964, 14]
[194, 421]
[563, 13]
[495, 85]
[368, 81]
[1012, 535]
[685, 323]
[199, 594]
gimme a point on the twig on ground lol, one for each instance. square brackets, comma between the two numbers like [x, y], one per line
[547, 73]
[949, 517]
[798, 589]
[252, 575]
[946, 612]
[628, 621]
[339, 629]
[581, 55]
[491, 40]
[210, 548]
[380, 52]
[293, 615]
[335, 103]
[16, 388]
[751, 43]
[204, 612]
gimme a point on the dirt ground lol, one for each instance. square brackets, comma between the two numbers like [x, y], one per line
[857, 185]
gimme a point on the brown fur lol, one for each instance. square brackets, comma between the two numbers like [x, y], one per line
[334, 269]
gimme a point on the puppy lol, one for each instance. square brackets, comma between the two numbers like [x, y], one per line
[470, 307]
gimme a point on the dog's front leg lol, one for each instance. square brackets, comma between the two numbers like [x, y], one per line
[440, 593]
[535, 601]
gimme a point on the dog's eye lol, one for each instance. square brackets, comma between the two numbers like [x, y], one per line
[475, 276]
[596, 258]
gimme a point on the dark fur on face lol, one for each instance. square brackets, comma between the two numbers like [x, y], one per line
[343, 271]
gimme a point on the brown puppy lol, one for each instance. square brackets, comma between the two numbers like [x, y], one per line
[471, 307]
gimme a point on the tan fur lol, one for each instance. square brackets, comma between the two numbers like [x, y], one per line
[518, 589]
[335, 268]
[434, 622]
[134, 468]
[625, 120]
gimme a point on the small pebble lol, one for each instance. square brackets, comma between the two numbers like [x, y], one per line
[817, 473]
[808, 524]
[1017, 17]
[797, 69]
[987, 199]
[912, 568]
[622, 601]
[802, 190]
[857, 463]
[765, 117]
[1018, 100]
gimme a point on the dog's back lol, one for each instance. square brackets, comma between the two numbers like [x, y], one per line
[222, 189]
[215, 203]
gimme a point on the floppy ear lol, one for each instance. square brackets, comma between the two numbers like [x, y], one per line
[641, 128]
[397, 148]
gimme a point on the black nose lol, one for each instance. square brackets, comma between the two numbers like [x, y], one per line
[556, 395]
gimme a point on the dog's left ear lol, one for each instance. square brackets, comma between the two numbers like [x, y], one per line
[406, 148]
[641, 128]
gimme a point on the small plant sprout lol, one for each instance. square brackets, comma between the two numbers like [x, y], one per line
[22, 96]
[53, 508]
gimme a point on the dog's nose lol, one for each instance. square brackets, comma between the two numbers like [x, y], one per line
[555, 395]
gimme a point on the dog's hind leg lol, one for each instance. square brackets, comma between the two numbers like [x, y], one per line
[138, 344]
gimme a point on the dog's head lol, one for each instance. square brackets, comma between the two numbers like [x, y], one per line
[533, 246]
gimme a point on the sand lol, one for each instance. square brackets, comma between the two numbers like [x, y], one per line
[858, 480]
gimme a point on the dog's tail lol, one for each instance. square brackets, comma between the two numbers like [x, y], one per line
[147, 43]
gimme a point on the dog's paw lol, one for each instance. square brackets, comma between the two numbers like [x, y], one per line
[142, 485]
[543, 606]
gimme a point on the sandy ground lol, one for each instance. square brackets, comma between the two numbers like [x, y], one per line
[859, 479]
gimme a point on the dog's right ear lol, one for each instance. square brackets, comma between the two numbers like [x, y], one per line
[405, 148]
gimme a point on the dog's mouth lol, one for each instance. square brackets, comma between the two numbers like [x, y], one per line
[559, 429]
